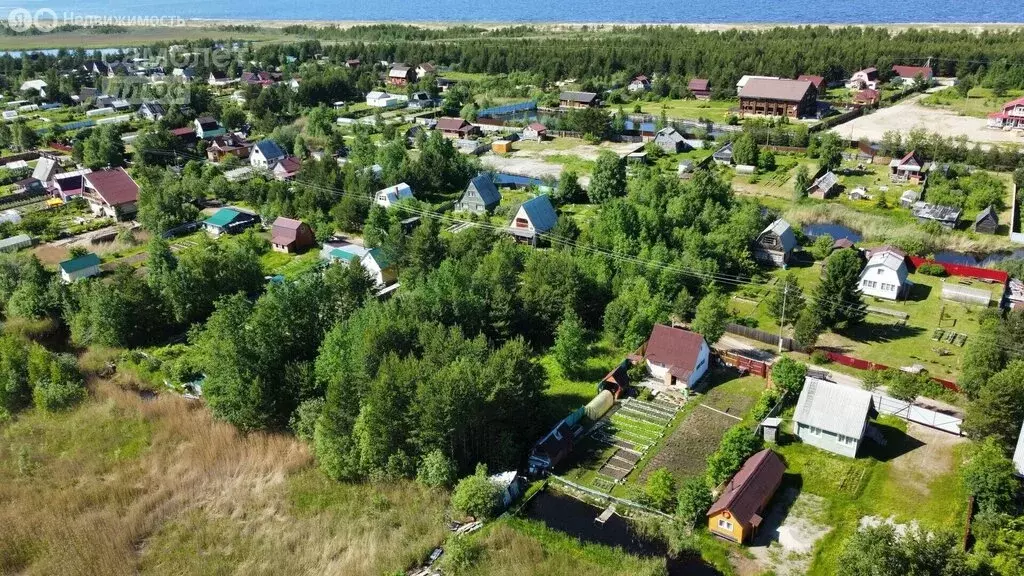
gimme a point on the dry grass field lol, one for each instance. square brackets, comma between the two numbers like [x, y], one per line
[122, 485]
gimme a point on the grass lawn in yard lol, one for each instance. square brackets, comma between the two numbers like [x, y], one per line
[566, 393]
[911, 478]
[979, 103]
[572, 162]
[565, 143]
[778, 183]
[691, 109]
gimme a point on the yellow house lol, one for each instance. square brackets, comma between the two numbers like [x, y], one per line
[736, 515]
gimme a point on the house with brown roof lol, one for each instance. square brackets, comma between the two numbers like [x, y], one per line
[867, 97]
[456, 127]
[425, 69]
[111, 193]
[228, 145]
[640, 83]
[286, 168]
[700, 88]
[535, 131]
[818, 81]
[778, 97]
[910, 74]
[675, 356]
[737, 514]
[289, 235]
[401, 75]
[910, 168]
[572, 99]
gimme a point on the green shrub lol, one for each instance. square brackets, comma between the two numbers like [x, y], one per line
[475, 495]
[930, 269]
[303, 420]
[820, 357]
[436, 470]
[57, 383]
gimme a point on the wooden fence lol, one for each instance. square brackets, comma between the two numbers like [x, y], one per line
[836, 120]
[752, 365]
[762, 336]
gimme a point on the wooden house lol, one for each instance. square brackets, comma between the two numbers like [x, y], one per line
[738, 512]
[987, 221]
[824, 187]
[700, 88]
[775, 244]
[481, 196]
[289, 235]
[778, 97]
[571, 99]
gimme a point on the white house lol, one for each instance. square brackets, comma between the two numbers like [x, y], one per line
[391, 195]
[677, 357]
[82, 267]
[265, 154]
[37, 85]
[866, 79]
[373, 260]
[535, 216]
[885, 275]
[377, 99]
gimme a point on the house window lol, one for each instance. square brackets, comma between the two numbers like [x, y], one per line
[725, 525]
[522, 223]
[879, 270]
[813, 431]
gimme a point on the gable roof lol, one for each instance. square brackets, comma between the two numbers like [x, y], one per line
[671, 134]
[723, 153]
[269, 149]
[81, 263]
[453, 124]
[581, 97]
[776, 89]
[988, 213]
[751, 487]
[818, 81]
[888, 260]
[45, 168]
[913, 71]
[227, 216]
[115, 186]
[833, 407]
[288, 165]
[674, 348]
[207, 123]
[784, 231]
[287, 223]
[486, 189]
[537, 127]
[699, 85]
[541, 213]
[826, 181]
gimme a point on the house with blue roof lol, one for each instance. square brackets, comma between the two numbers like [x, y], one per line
[536, 216]
[373, 260]
[84, 266]
[265, 154]
[481, 196]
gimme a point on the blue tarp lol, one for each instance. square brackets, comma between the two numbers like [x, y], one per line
[508, 109]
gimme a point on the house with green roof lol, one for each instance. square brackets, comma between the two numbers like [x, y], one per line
[376, 263]
[81, 267]
[229, 221]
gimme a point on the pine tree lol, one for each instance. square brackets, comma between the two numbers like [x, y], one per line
[838, 298]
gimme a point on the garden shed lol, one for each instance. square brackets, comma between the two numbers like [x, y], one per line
[965, 294]
[15, 243]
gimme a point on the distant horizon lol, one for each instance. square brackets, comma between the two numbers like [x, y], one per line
[729, 13]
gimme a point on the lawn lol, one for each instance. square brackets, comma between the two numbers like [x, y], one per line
[691, 109]
[883, 338]
[778, 183]
[580, 166]
[912, 478]
[979, 103]
[566, 393]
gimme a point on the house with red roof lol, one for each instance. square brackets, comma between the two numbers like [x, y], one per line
[640, 83]
[675, 356]
[700, 88]
[1011, 117]
[456, 127]
[910, 74]
[286, 168]
[111, 193]
[867, 97]
[738, 512]
[535, 131]
[289, 235]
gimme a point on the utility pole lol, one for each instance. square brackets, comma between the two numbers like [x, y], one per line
[782, 321]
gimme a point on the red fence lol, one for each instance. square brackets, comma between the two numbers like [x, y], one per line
[964, 270]
[865, 365]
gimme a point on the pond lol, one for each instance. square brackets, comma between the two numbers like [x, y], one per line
[836, 231]
[977, 259]
[576, 518]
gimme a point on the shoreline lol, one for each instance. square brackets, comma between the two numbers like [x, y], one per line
[552, 25]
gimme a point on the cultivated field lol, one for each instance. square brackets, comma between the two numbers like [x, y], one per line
[686, 451]
[909, 115]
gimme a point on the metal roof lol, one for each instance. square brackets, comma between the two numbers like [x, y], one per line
[833, 407]
[15, 241]
[775, 89]
[486, 189]
[784, 231]
[80, 263]
[541, 213]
